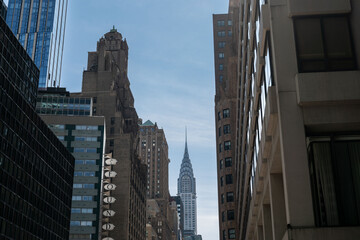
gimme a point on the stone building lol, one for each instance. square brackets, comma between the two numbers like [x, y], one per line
[298, 120]
[225, 52]
[105, 81]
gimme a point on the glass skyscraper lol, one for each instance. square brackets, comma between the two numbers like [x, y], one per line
[39, 25]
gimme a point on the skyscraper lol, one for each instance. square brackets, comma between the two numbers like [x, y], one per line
[105, 80]
[153, 150]
[187, 192]
[36, 169]
[71, 120]
[297, 120]
[225, 53]
[39, 25]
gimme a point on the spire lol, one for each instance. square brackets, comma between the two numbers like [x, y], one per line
[186, 153]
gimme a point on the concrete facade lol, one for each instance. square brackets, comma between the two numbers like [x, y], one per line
[298, 119]
[106, 81]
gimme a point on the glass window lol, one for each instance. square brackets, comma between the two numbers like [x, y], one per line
[221, 164]
[221, 23]
[227, 145]
[230, 215]
[229, 196]
[219, 131]
[229, 33]
[221, 55]
[226, 113]
[229, 23]
[229, 179]
[221, 78]
[228, 162]
[221, 33]
[232, 234]
[324, 44]
[221, 67]
[220, 147]
[222, 198]
[227, 129]
[221, 44]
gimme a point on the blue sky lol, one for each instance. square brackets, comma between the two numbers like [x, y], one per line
[171, 72]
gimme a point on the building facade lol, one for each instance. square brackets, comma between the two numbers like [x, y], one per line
[105, 81]
[153, 151]
[84, 137]
[298, 120]
[39, 25]
[36, 170]
[187, 193]
[3, 9]
[225, 52]
[180, 212]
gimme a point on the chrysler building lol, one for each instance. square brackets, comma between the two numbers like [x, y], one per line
[187, 192]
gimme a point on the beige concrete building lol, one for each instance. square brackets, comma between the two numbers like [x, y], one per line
[298, 110]
[106, 81]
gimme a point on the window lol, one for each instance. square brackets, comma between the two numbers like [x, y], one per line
[232, 234]
[219, 131]
[226, 113]
[229, 179]
[227, 145]
[221, 164]
[221, 44]
[229, 23]
[221, 55]
[221, 78]
[222, 198]
[221, 67]
[112, 121]
[324, 44]
[223, 216]
[219, 116]
[221, 33]
[335, 181]
[221, 181]
[220, 148]
[94, 99]
[111, 143]
[221, 23]
[83, 127]
[229, 33]
[230, 215]
[229, 196]
[228, 162]
[227, 129]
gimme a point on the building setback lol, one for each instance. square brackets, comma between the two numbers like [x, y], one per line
[225, 52]
[39, 25]
[298, 119]
[36, 170]
[105, 81]
[187, 193]
[83, 135]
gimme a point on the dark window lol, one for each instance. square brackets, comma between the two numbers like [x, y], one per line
[229, 196]
[221, 164]
[223, 216]
[222, 198]
[221, 44]
[232, 234]
[220, 148]
[221, 23]
[221, 34]
[219, 116]
[219, 131]
[94, 110]
[94, 99]
[229, 179]
[111, 143]
[335, 181]
[227, 145]
[226, 113]
[324, 44]
[221, 78]
[221, 181]
[112, 121]
[221, 67]
[230, 215]
[227, 129]
[224, 234]
[228, 162]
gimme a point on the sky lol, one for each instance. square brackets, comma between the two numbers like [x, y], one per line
[171, 73]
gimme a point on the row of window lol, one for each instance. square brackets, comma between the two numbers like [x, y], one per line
[223, 33]
[228, 163]
[230, 215]
[225, 113]
[227, 146]
[226, 129]
[81, 223]
[221, 23]
[85, 150]
[81, 210]
[229, 197]
[87, 174]
[231, 232]
[228, 179]
[82, 198]
[85, 162]
[86, 185]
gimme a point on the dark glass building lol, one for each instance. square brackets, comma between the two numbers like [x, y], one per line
[3, 9]
[39, 25]
[36, 170]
